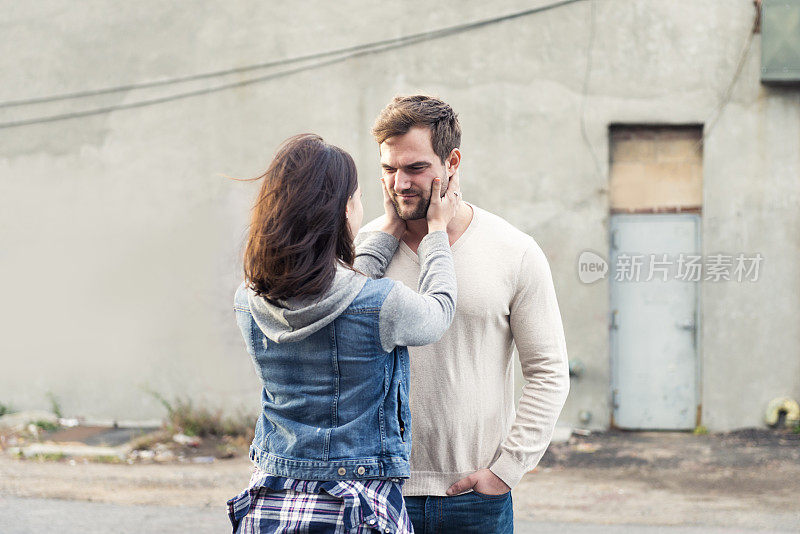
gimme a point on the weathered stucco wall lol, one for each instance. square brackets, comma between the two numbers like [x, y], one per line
[121, 235]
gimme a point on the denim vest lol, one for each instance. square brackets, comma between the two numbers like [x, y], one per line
[334, 405]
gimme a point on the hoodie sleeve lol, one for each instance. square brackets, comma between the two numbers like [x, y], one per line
[374, 251]
[411, 318]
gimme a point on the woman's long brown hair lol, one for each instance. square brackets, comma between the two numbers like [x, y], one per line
[298, 230]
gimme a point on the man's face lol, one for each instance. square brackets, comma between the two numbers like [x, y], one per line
[409, 167]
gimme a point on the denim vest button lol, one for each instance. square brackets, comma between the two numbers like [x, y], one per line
[361, 470]
[341, 471]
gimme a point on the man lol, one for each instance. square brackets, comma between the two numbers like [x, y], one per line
[469, 448]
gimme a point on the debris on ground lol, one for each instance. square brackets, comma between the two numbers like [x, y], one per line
[663, 449]
[42, 436]
[183, 439]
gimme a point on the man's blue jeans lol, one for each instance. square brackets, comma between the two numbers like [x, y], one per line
[462, 514]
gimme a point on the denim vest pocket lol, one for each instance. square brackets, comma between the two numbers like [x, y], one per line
[400, 414]
[264, 429]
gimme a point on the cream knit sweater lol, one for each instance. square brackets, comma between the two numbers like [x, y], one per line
[462, 387]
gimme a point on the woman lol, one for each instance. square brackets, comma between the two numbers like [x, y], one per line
[328, 338]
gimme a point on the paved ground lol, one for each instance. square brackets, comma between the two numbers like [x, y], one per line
[29, 516]
[612, 482]
[33, 516]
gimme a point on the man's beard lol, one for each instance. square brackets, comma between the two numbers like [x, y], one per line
[419, 212]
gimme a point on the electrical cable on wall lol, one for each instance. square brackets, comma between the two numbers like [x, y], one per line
[336, 56]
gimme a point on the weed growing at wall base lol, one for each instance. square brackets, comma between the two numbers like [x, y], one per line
[55, 405]
[184, 417]
[5, 409]
[47, 426]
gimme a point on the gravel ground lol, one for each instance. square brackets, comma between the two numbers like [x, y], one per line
[746, 481]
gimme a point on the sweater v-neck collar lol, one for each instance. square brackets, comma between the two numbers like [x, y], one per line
[455, 246]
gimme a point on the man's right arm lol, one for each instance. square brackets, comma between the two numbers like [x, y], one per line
[539, 336]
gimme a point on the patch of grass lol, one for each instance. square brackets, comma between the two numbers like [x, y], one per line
[159, 397]
[226, 450]
[185, 417]
[150, 440]
[200, 421]
[194, 421]
[55, 405]
[240, 425]
[796, 429]
[6, 409]
[700, 430]
[107, 459]
[47, 426]
[51, 456]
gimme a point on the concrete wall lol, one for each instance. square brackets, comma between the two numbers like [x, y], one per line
[121, 236]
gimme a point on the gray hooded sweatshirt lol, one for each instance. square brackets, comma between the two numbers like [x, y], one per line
[407, 318]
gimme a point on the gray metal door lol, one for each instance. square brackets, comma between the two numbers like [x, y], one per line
[654, 320]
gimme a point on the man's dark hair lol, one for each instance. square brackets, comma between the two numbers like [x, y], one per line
[405, 112]
[298, 229]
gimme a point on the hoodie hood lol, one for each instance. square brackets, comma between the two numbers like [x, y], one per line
[297, 318]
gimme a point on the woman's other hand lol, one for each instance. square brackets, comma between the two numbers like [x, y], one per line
[442, 209]
[392, 223]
